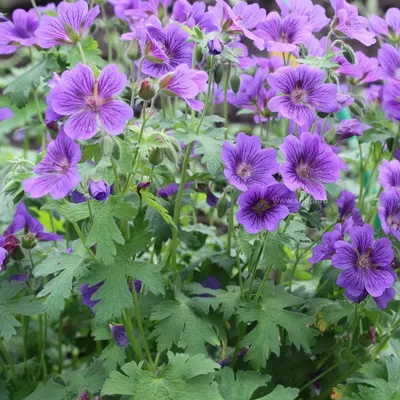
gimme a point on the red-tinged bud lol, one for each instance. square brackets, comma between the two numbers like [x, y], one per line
[146, 91]
[141, 186]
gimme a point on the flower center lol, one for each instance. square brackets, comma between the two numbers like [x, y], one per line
[304, 171]
[299, 96]
[261, 207]
[244, 171]
[284, 38]
[93, 103]
[64, 165]
[393, 222]
[363, 261]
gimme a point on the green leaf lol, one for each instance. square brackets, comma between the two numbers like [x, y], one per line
[20, 88]
[115, 295]
[282, 393]
[91, 50]
[50, 390]
[188, 378]
[180, 325]
[70, 211]
[113, 356]
[274, 252]
[225, 300]
[151, 200]
[3, 391]
[318, 62]
[243, 242]
[10, 305]
[104, 238]
[264, 338]
[68, 266]
[240, 386]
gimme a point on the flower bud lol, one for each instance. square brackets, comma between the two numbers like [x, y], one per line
[116, 151]
[133, 52]
[12, 245]
[28, 241]
[99, 190]
[146, 91]
[107, 145]
[170, 153]
[235, 83]
[199, 54]
[141, 186]
[348, 53]
[84, 395]
[156, 156]
[222, 206]
[161, 11]
[356, 110]
[215, 47]
[119, 335]
[11, 186]
[71, 33]
[218, 74]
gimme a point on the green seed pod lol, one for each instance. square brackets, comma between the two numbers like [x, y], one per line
[11, 186]
[156, 156]
[218, 74]
[222, 206]
[235, 83]
[199, 54]
[116, 151]
[107, 145]
[348, 53]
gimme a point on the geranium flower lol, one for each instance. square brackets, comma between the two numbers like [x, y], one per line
[381, 301]
[391, 98]
[389, 59]
[365, 263]
[99, 190]
[18, 32]
[88, 101]
[364, 69]
[186, 83]
[389, 174]
[309, 163]
[119, 335]
[57, 173]
[283, 34]
[248, 163]
[24, 220]
[389, 212]
[388, 28]
[350, 127]
[70, 26]
[196, 14]
[165, 49]
[5, 113]
[346, 203]
[351, 24]
[301, 91]
[316, 18]
[264, 207]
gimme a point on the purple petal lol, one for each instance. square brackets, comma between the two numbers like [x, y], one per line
[114, 115]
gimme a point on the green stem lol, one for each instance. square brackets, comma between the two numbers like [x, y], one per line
[59, 347]
[242, 332]
[361, 172]
[239, 267]
[25, 325]
[115, 170]
[141, 330]
[321, 375]
[43, 349]
[81, 52]
[226, 87]
[230, 223]
[127, 320]
[263, 282]
[83, 240]
[254, 262]
[10, 362]
[36, 9]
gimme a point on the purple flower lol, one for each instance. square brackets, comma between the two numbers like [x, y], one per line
[70, 26]
[242, 18]
[16, 277]
[391, 98]
[388, 28]
[389, 59]
[185, 83]
[171, 189]
[364, 69]
[84, 395]
[349, 128]
[365, 263]
[166, 49]
[309, 163]
[77, 197]
[5, 113]
[347, 208]
[211, 199]
[3, 255]
[191, 15]
[9, 244]
[301, 92]
[389, 174]
[18, 32]
[85, 100]
[248, 163]
[326, 249]
[283, 34]
[87, 293]
[211, 282]
[264, 207]
[58, 171]
[381, 301]
[389, 212]
[99, 190]
[119, 335]
[351, 24]
[316, 18]
[24, 220]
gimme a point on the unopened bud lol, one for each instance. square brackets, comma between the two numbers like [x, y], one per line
[170, 153]
[133, 52]
[348, 53]
[156, 156]
[116, 151]
[222, 206]
[11, 186]
[235, 83]
[356, 110]
[28, 241]
[218, 74]
[146, 91]
[199, 54]
[107, 145]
